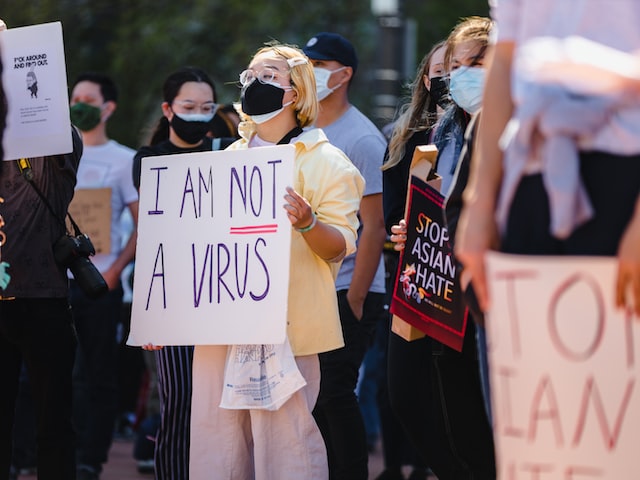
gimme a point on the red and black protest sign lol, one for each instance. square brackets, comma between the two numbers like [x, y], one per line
[427, 292]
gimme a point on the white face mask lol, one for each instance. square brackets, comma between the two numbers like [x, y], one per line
[196, 117]
[465, 86]
[322, 81]
[265, 117]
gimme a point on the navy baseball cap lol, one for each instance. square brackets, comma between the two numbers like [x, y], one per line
[331, 46]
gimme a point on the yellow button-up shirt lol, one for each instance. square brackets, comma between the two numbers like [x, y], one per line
[333, 187]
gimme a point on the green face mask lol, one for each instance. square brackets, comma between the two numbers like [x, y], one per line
[84, 116]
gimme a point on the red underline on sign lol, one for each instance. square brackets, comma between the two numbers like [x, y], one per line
[251, 230]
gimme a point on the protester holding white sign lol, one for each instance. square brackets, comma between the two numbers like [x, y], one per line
[188, 106]
[278, 100]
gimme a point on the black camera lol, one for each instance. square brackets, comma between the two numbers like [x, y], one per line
[73, 253]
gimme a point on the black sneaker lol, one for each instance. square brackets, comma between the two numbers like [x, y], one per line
[419, 473]
[146, 466]
[390, 475]
[87, 473]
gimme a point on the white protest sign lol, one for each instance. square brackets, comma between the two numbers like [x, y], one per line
[564, 370]
[212, 261]
[35, 83]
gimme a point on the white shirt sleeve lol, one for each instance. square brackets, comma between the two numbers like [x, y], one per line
[508, 16]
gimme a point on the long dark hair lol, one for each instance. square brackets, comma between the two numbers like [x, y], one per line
[170, 91]
[416, 115]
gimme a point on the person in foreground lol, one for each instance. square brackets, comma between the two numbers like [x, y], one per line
[602, 167]
[279, 100]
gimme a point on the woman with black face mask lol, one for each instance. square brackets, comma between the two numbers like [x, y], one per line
[279, 106]
[414, 126]
[188, 107]
[400, 396]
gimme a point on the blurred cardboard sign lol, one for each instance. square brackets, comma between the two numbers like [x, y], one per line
[564, 369]
[91, 210]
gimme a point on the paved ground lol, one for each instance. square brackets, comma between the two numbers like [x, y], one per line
[122, 466]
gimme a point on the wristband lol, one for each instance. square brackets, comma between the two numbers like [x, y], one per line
[314, 220]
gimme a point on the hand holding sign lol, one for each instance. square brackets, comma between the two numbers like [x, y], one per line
[298, 209]
[628, 278]
[399, 235]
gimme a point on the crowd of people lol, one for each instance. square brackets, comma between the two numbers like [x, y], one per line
[60, 348]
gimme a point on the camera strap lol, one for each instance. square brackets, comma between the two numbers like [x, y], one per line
[27, 172]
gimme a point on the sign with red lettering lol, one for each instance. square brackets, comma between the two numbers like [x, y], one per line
[564, 369]
[427, 291]
[212, 259]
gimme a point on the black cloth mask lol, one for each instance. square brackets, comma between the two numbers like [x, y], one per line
[190, 132]
[440, 92]
[261, 98]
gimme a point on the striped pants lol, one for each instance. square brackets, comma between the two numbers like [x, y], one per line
[174, 388]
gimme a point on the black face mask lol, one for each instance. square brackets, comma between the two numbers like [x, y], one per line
[440, 92]
[190, 132]
[261, 98]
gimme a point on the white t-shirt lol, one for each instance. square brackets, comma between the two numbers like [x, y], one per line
[110, 165]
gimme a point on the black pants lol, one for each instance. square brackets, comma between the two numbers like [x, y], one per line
[397, 450]
[39, 331]
[613, 185]
[95, 382]
[337, 411]
[24, 425]
[437, 396]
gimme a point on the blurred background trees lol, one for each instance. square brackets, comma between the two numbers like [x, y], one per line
[139, 42]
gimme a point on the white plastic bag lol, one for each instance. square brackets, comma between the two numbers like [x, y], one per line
[261, 377]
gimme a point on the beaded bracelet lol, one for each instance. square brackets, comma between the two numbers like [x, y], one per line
[314, 220]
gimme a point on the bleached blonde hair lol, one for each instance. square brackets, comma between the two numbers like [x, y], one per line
[303, 81]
